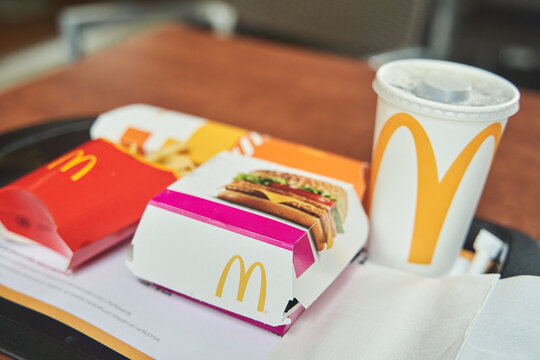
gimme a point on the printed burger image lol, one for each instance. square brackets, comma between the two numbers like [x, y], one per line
[318, 205]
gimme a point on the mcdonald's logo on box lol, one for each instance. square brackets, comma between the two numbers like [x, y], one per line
[255, 239]
[244, 278]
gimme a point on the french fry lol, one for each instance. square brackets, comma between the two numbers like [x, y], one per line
[174, 155]
[177, 146]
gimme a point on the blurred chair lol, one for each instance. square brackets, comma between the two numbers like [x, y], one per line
[502, 36]
[388, 28]
[75, 20]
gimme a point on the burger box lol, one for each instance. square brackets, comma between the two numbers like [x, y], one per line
[92, 197]
[253, 238]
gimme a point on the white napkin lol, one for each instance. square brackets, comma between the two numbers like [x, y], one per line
[372, 312]
[509, 325]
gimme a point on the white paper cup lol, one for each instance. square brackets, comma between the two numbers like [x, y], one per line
[436, 131]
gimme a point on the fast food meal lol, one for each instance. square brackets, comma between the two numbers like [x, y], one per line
[312, 203]
[137, 151]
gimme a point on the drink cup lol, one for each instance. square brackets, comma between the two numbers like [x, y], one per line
[437, 128]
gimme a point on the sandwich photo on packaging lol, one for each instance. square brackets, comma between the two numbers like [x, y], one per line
[253, 238]
[315, 204]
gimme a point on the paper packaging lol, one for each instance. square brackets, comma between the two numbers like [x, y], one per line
[153, 127]
[437, 128]
[243, 259]
[92, 197]
[81, 203]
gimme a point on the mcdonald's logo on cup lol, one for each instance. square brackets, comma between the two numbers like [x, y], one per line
[243, 280]
[72, 159]
[436, 133]
[433, 197]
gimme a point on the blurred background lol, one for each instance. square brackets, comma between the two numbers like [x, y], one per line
[503, 36]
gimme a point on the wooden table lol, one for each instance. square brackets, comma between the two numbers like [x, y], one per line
[313, 98]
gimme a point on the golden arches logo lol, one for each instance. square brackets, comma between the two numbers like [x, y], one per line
[243, 281]
[73, 159]
[433, 198]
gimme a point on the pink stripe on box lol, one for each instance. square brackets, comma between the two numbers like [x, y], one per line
[241, 222]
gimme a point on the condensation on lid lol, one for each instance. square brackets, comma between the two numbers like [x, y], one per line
[446, 89]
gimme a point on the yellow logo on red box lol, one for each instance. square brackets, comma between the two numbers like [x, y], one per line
[73, 159]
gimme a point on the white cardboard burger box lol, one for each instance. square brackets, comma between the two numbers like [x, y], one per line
[251, 264]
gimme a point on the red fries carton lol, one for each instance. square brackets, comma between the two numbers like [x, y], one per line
[81, 203]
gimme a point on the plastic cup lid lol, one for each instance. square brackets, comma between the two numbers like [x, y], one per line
[445, 89]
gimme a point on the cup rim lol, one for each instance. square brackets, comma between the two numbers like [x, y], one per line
[449, 111]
